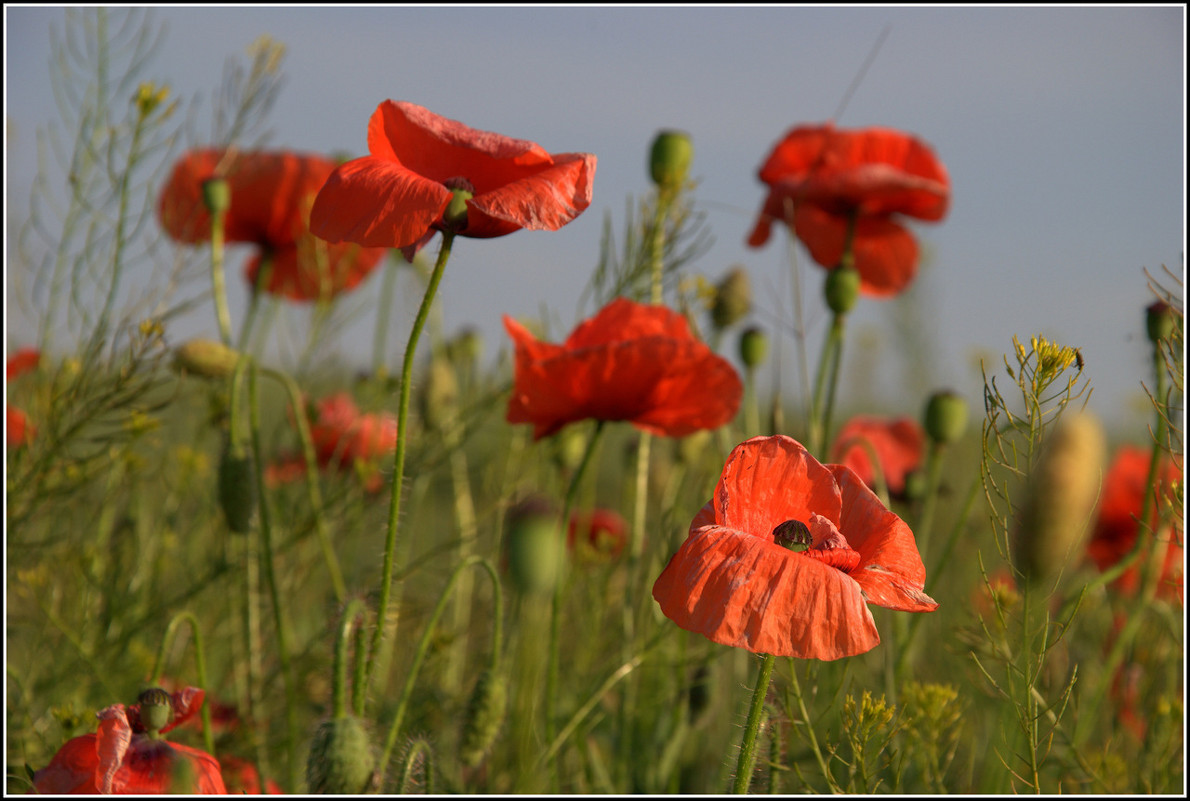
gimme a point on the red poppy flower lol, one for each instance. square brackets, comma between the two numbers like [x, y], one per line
[343, 437]
[819, 177]
[899, 445]
[271, 194]
[241, 778]
[124, 758]
[396, 196]
[600, 533]
[20, 430]
[629, 362]
[733, 583]
[1117, 526]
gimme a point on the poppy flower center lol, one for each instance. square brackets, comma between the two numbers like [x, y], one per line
[820, 540]
[155, 710]
[462, 190]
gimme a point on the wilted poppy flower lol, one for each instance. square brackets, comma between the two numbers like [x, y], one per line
[734, 582]
[899, 445]
[600, 533]
[1117, 525]
[20, 430]
[629, 362]
[397, 195]
[271, 195]
[820, 177]
[128, 757]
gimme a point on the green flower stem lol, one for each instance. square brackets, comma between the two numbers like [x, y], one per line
[200, 669]
[390, 542]
[747, 760]
[424, 645]
[388, 288]
[808, 726]
[925, 522]
[263, 273]
[347, 627]
[551, 691]
[312, 481]
[270, 578]
[218, 282]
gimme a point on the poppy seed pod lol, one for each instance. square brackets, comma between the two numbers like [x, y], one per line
[534, 547]
[842, 289]
[733, 299]
[946, 417]
[1159, 321]
[669, 159]
[1060, 500]
[485, 716]
[341, 760]
[237, 488]
[216, 195]
[206, 357]
[754, 346]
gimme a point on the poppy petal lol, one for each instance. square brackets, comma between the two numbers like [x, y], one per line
[377, 203]
[114, 739]
[885, 252]
[734, 590]
[545, 201]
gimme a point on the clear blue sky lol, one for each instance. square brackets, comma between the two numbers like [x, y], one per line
[1063, 131]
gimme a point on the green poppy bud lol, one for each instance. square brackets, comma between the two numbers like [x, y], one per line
[669, 159]
[485, 716]
[733, 298]
[341, 760]
[216, 195]
[754, 346]
[237, 488]
[1060, 499]
[946, 417]
[534, 547]
[842, 289]
[455, 216]
[570, 445]
[206, 357]
[1160, 321]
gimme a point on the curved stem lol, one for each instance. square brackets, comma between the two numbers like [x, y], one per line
[200, 669]
[266, 557]
[390, 542]
[423, 646]
[747, 760]
[354, 610]
[312, 485]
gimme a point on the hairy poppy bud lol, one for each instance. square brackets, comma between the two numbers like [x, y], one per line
[206, 357]
[669, 159]
[534, 547]
[341, 760]
[754, 346]
[237, 488]
[842, 289]
[485, 716]
[733, 298]
[216, 195]
[946, 417]
[1063, 488]
[1159, 320]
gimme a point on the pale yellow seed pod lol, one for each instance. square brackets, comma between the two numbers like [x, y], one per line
[1062, 493]
[206, 357]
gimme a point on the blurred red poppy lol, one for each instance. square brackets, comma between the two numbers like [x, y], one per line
[1117, 526]
[629, 362]
[397, 195]
[343, 437]
[241, 778]
[20, 431]
[271, 194]
[899, 445]
[599, 533]
[819, 177]
[125, 758]
[733, 582]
